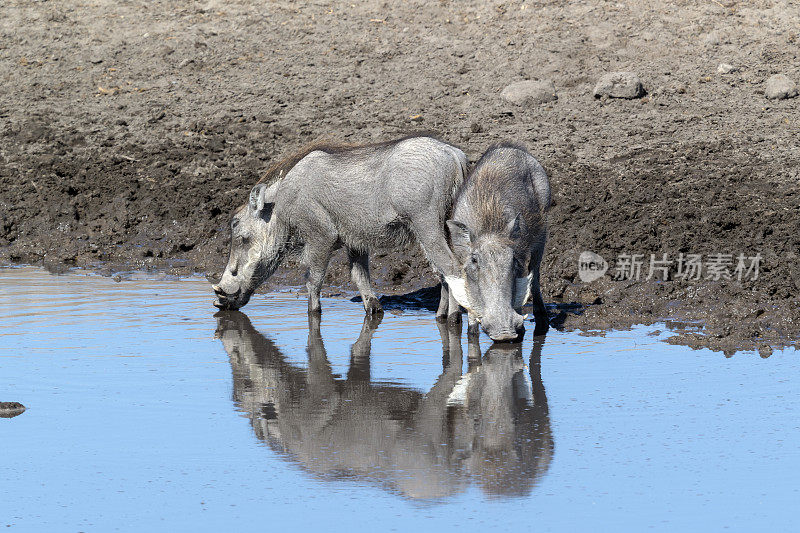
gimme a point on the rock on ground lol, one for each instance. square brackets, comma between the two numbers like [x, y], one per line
[530, 92]
[11, 409]
[780, 87]
[619, 85]
[726, 68]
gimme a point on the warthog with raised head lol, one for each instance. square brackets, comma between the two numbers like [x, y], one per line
[497, 234]
[365, 198]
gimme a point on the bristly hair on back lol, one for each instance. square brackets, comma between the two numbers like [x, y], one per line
[278, 170]
[498, 146]
[486, 200]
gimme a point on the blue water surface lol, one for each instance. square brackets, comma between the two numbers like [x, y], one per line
[145, 412]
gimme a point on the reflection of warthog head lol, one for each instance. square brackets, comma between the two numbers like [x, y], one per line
[506, 403]
[490, 424]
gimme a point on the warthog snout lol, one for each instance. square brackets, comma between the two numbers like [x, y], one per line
[507, 330]
[228, 301]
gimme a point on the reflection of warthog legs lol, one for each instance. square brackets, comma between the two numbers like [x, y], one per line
[321, 383]
[473, 350]
[361, 350]
[490, 424]
[537, 385]
[450, 333]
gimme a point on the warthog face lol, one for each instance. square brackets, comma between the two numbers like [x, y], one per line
[255, 250]
[494, 278]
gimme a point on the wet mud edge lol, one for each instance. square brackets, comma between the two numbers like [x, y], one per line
[697, 314]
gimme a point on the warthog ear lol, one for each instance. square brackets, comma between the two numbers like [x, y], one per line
[461, 240]
[514, 228]
[260, 201]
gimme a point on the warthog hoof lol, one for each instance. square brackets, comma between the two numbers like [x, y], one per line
[542, 325]
[373, 307]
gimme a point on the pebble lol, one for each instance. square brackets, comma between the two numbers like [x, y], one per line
[710, 39]
[11, 409]
[530, 92]
[619, 85]
[726, 68]
[780, 87]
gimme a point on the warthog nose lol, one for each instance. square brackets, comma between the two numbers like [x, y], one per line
[505, 336]
[226, 300]
[511, 333]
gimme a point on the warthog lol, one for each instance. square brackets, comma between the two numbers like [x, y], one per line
[490, 425]
[365, 198]
[497, 234]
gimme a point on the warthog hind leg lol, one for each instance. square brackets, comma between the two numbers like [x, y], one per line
[359, 273]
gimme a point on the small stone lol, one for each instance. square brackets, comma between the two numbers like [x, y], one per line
[11, 409]
[416, 118]
[726, 68]
[780, 87]
[710, 39]
[619, 85]
[156, 115]
[764, 351]
[530, 92]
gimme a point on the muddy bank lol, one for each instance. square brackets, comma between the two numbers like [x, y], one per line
[129, 132]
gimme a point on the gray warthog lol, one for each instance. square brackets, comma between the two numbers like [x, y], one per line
[490, 425]
[497, 234]
[365, 198]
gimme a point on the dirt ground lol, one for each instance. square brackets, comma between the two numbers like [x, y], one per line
[129, 130]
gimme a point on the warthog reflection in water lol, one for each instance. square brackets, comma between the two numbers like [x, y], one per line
[490, 425]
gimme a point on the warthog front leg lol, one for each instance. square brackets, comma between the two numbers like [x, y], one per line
[444, 300]
[446, 304]
[317, 256]
[359, 273]
[432, 240]
[539, 310]
[473, 326]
